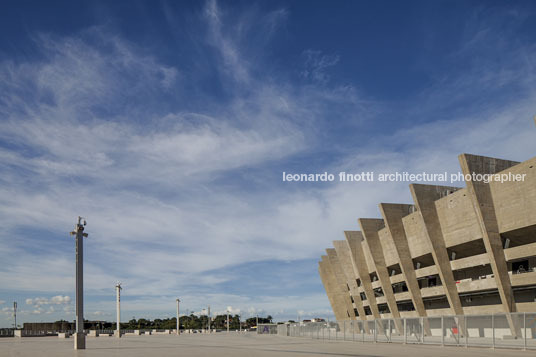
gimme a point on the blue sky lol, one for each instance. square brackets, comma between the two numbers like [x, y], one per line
[168, 126]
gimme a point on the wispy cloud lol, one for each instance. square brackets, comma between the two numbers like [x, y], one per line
[316, 64]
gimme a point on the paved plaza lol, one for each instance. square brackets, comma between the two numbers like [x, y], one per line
[227, 345]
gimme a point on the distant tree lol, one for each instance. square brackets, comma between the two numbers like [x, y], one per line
[220, 322]
[186, 322]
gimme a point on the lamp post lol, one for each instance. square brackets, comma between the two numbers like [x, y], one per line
[208, 318]
[15, 313]
[178, 325]
[79, 337]
[118, 307]
[202, 313]
[227, 320]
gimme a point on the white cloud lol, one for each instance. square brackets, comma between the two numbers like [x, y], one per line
[60, 300]
[100, 313]
[232, 310]
[233, 64]
[55, 300]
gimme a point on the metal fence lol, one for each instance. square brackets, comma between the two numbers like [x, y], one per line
[516, 330]
[267, 329]
[7, 332]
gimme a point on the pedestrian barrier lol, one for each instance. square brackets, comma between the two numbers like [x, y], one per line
[516, 330]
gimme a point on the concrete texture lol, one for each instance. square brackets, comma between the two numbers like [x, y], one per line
[338, 297]
[425, 197]
[233, 344]
[345, 258]
[370, 228]
[324, 276]
[355, 239]
[482, 199]
[341, 280]
[392, 216]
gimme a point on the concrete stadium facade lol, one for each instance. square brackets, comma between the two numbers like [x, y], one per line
[455, 251]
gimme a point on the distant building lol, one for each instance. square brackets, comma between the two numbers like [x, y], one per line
[454, 251]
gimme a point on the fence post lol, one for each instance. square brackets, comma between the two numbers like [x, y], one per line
[363, 330]
[493, 331]
[442, 331]
[422, 330]
[525, 331]
[375, 334]
[458, 328]
[405, 330]
[466, 331]
[390, 333]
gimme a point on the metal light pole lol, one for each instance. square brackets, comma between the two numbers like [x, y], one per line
[227, 320]
[79, 337]
[257, 322]
[118, 294]
[178, 325]
[209, 319]
[239, 323]
[202, 313]
[15, 313]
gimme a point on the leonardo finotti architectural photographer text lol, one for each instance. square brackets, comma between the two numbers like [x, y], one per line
[371, 176]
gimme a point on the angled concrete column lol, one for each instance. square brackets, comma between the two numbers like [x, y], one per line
[370, 228]
[424, 197]
[344, 254]
[392, 216]
[329, 290]
[355, 239]
[341, 279]
[340, 311]
[482, 199]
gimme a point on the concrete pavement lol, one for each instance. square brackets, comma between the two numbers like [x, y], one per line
[234, 344]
